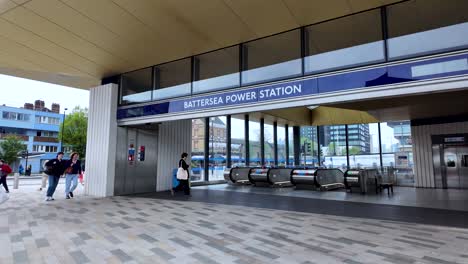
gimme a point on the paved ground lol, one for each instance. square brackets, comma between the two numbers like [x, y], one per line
[143, 230]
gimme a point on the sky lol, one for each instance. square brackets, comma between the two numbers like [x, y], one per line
[17, 91]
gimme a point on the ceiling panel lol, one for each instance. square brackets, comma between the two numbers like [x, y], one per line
[170, 27]
[6, 5]
[95, 57]
[57, 34]
[133, 50]
[48, 63]
[213, 18]
[309, 12]
[44, 46]
[277, 19]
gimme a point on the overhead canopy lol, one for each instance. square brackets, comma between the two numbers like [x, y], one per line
[79, 42]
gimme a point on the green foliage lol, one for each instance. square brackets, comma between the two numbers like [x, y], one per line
[354, 150]
[10, 148]
[332, 149]
[75, 129]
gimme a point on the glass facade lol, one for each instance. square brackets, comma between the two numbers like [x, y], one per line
[217, 147]
[333, 146]
[237, 141]
[322, 146]
[198, 150]
[172, 79]
[345, 42]
[272, 58]
[397, 150]
[309, 146]
[136, 86]
[281, 141]
[216, 70]
[254, 143]
[363, 145]
[421, 27]
[398, 31]
[268, 145]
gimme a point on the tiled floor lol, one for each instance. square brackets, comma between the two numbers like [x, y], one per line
[451, 199]
[143, 230]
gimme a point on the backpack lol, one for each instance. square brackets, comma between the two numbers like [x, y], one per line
[48, 169]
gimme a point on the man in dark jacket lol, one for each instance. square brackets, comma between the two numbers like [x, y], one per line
[55, 168]
[4, 171]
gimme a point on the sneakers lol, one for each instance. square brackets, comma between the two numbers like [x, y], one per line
[67, 197]
[71, 194]
[48, 199]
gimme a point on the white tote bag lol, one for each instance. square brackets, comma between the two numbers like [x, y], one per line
[181, 174]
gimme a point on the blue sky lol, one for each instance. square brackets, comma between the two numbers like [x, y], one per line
[17, 91]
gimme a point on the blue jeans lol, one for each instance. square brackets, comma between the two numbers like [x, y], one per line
[53, 182]
[70, 178]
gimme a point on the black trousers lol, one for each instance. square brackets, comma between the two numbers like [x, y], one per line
[4, 182]
[184, 185]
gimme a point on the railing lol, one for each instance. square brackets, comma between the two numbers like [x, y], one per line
[22, 137]
[46, 139]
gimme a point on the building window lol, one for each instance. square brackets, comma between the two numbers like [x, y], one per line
[15, 116]
[333, 149]
[363, 146]
[216, 70]
[47, 120]
[345, 42]
[136, 86]
[309, 146]
[172, 79]
[421, 27]
[272, 58]
[281, 141]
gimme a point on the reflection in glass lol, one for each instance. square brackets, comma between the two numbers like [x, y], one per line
[268, 145]
[421, 27]
[136, 86]
[254, 143]
[397, 149]
[216, 70]
[281, 132]
[237, 141]
[272, 58]
[217, 148]
[345, 42]
[309, 146]
[172, 79]
[363, 140]
[291, 145]
[198, 150]
[333, 146]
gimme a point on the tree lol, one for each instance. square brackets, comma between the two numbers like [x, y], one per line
[332, 149]
[354, 150]
[75, 128]
[10, 148]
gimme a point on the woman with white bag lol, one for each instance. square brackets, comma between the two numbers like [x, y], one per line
[183, 174]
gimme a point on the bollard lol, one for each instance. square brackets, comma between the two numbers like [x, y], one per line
[16, 183]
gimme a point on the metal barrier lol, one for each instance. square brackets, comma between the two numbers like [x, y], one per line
[259, 176]
[280, 177]
[322, 179]
[362, 180]
[239, 175]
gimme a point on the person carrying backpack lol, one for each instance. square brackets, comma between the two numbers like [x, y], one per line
[55, 168]
[4, 171]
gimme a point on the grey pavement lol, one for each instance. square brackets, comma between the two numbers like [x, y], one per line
[142, 230]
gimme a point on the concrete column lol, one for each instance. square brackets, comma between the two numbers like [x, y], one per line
[101, 141]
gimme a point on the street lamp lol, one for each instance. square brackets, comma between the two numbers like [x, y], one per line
[63, 128]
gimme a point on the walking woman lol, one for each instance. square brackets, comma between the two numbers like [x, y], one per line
[184, 181]
[54, 168]
[73, 169]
